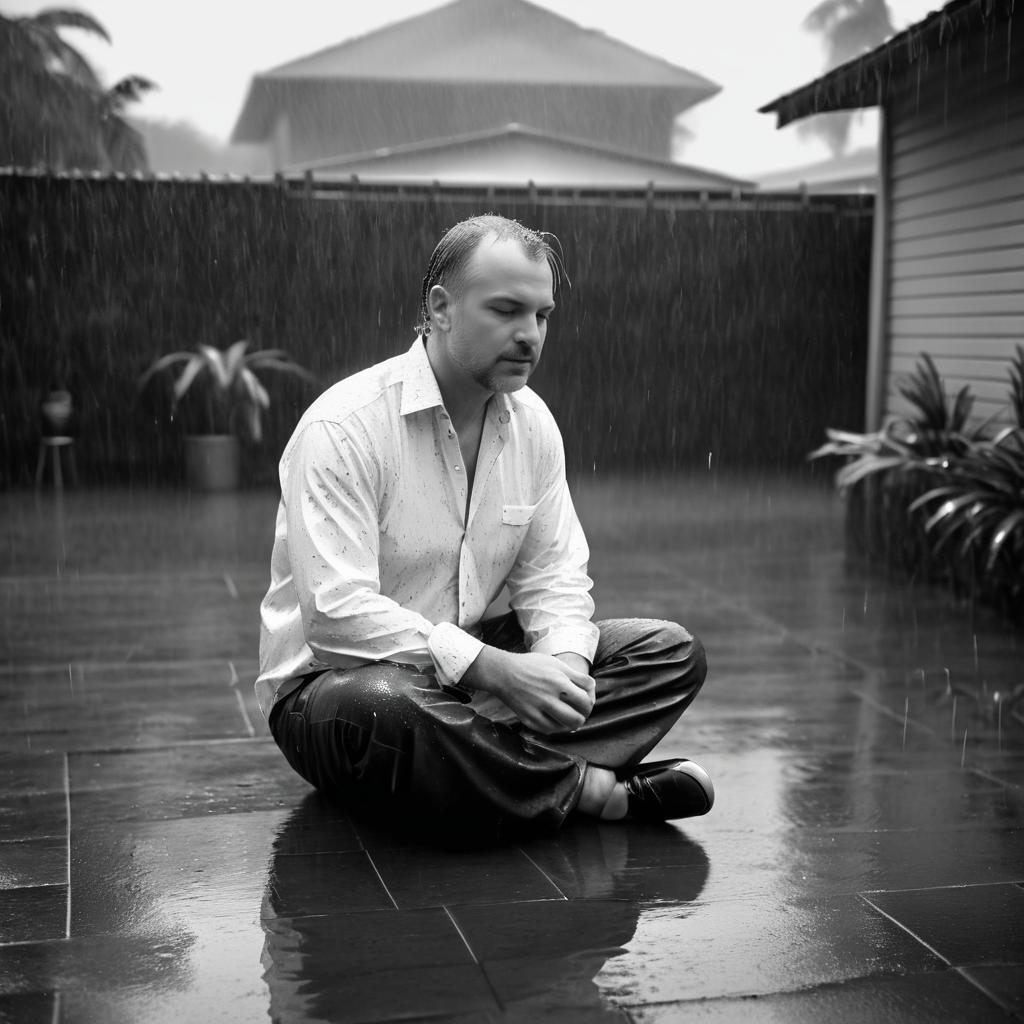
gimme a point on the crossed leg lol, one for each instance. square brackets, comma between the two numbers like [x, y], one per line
[387, 741]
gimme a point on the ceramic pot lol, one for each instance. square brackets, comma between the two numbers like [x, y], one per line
[212, 462]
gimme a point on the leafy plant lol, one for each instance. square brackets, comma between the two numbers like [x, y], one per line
[1017, 387]
[232, 393]
[952, 498]
[57, 112]
[937, 427]
[978, 511]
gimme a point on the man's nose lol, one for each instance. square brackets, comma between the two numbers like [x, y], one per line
[528, 332]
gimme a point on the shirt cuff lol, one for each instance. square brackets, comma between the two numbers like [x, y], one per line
[453, 650]
[569, 641]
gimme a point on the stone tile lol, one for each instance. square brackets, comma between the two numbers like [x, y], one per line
[977, 924]
[183, 781]
[195, 967]
[382, 996]
[1004, 982]
[34, 862]
[147, 717]
[546, 929]
[33, 816]
[28, 1008]
[623, 861]
[37, 912]
[325, 883]
[332, 945]
[755, 947]
[423, 876]
[937, 997]
[557, 987]
[142, 876]
[25, 773]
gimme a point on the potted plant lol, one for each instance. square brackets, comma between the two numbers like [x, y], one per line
[230, 400]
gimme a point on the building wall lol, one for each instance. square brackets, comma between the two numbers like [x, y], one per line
[956, 241]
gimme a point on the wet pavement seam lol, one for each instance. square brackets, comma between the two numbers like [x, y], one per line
[931, 949]
[968, 976]
[67, 851]
[380, 877]
[553, 883]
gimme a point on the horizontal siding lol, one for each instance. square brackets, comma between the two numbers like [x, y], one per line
[996, 412]
[985, 283]
[962, 139]
[941, 349]
[970, 166]
[964, 326]
[1003, 237]
[959, 197]
[956, 239]
[954, 306]
[1011, 259]
[946, 221]
[990, 372]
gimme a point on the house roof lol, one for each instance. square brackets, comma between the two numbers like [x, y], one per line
[851, 172]
[865, 80]
[475, 41]
[492, 40]
[515, 154]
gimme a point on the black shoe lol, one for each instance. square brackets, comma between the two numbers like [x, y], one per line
[662, 790]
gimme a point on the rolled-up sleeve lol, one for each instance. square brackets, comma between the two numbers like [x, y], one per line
[331, 491]
[549, 585]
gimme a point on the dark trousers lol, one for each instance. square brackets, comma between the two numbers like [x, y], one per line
[389, 743]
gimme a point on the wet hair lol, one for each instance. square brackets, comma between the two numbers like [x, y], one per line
[453, 252]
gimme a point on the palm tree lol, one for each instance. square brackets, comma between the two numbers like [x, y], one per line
[54, 111]
[849, 28]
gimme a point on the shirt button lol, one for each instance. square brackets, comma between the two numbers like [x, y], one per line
[458, 469]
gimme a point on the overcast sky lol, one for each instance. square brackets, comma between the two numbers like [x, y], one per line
[203, 53]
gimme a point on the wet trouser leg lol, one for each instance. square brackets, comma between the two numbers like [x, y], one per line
[389, 742]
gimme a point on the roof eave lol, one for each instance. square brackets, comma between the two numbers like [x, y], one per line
[865, 80]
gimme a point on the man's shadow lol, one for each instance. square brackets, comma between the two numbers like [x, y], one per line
[531, 954]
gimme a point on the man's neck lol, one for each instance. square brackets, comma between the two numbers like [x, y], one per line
[465, 400]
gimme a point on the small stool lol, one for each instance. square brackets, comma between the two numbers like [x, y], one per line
[50, 448]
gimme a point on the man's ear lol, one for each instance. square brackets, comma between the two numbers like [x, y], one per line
[439, 303]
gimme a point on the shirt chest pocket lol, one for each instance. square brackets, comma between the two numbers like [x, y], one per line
[515, 525]
[517, 515]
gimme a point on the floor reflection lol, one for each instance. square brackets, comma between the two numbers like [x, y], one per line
[367, 956]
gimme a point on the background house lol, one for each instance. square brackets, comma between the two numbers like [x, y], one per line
[849, 173]
[471, 91]
[948, 252]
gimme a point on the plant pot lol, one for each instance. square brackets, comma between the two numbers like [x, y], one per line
[211, 462]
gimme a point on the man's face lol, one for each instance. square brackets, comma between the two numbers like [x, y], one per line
[498, 317]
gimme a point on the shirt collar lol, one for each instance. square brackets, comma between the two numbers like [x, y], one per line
[420, 390]
[419, 385]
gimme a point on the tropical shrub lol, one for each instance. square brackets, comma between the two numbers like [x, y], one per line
[948, 500]
[231, 396]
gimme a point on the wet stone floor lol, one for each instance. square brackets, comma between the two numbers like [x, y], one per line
[160, 862]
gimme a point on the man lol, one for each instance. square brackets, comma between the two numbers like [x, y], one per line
[412, 493]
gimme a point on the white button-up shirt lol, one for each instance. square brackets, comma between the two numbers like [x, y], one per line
[377, 556]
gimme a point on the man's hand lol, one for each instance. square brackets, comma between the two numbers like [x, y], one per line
[546, 693]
